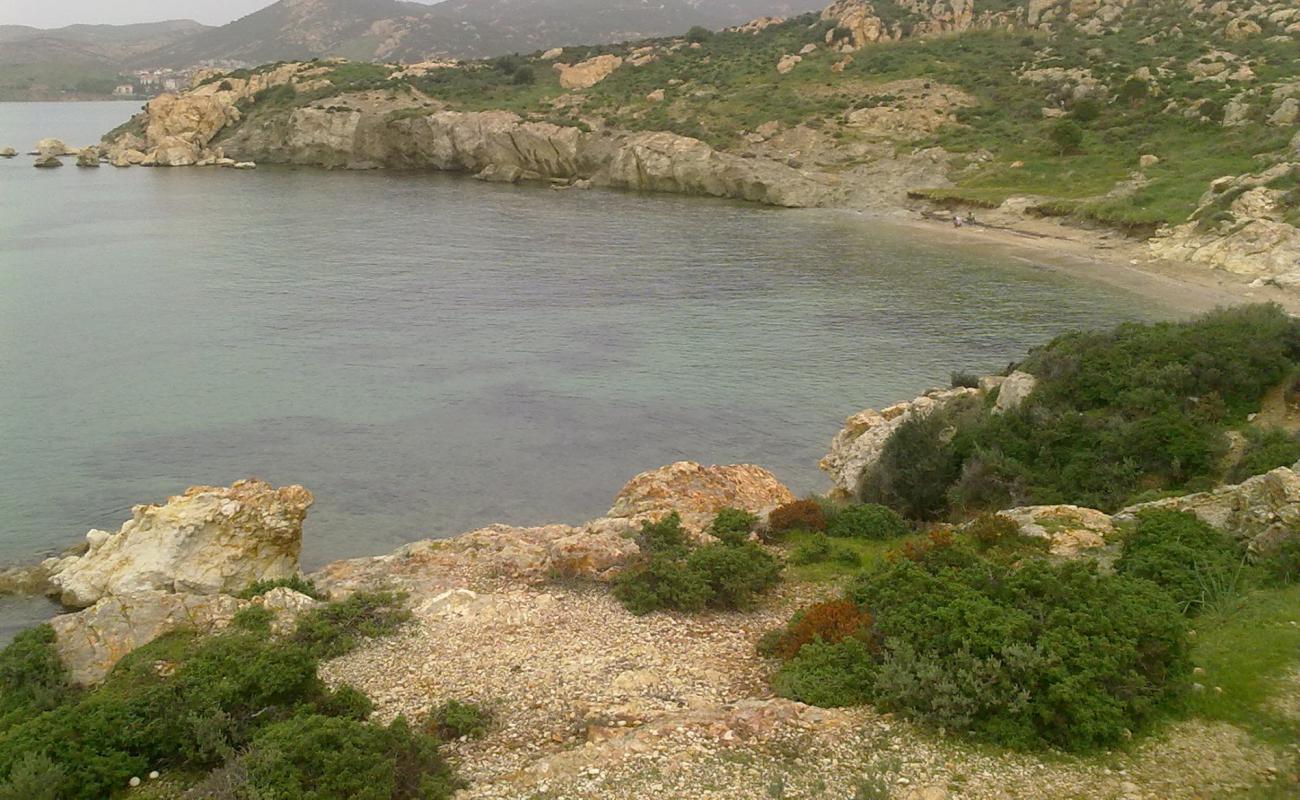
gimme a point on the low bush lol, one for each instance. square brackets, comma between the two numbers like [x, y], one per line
[296, 583]
[1191, 561]
[831, 622]
[867, 521]
[192, 704]
[820, 549]
[1282, 563]
[674, 574]
[829, 675]
[801, 515]
[732, 525]
[455, 720]
[999, 538]
[316, 757]
[915, 468]
[964, 380]
[1266, 450]
[335, 629]
[1028, 655]
[32, 677]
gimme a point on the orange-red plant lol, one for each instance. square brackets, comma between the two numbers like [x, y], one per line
[833, 621]
[804, 515]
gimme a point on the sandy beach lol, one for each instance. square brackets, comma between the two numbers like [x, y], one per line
[1108, 257]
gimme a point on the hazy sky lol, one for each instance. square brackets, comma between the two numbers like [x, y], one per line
[57, 13]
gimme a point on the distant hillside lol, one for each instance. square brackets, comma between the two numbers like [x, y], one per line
[107, 44]
[390, 30]
[79, 61]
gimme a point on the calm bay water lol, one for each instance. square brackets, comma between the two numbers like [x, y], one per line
[429, 354]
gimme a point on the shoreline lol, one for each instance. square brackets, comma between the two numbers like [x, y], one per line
[1106, 257]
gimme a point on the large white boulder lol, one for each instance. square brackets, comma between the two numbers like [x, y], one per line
[208, 540]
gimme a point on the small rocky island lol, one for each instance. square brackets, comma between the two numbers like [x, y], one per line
[715, 636]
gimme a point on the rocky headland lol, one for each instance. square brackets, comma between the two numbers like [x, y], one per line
[613, 118]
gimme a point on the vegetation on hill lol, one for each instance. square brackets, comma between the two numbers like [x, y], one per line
[1116, 416]
[1062, 114]
[240, 714]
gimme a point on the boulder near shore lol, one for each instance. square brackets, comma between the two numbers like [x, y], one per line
[209, 540]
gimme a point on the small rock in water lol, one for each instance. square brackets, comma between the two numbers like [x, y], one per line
[8, 152]
[48, 162]
[245, 165]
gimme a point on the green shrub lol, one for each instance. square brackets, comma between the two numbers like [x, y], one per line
[1067, 136]
[964, 380]
[335, 629]
[32, 676]
[524, 76]
[1141, 408]
[732, 525]
[1282, 562]
[315, 757]
[915, 469]
[820, 548]
[867, 521]
[1027, 655]
[186, 702]
[673, 574]
[829, 675]
[296, 583]
[34, 777]
[1266, 450]
[256, 619]
[665, 536]
[999, 538]
[735, 574]
[1191, 561]
[455, 720]
[698, 34]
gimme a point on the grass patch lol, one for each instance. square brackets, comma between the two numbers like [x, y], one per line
[1246, 649]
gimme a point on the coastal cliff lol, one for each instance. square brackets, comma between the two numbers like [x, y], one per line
[1026, 114]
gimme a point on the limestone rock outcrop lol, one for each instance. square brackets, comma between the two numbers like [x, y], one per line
[47, 162]
[53, 147]
[488, 557]
[859, 444]
[666, 162]
[88, 157]
[511, 148]
[8, 152]
[585, 74]
[1072, 531]
[1262, 511]
[697, 493]
[208, 540]
[92, 641]
[917, 109]
[1013, 391]
[1240, 227]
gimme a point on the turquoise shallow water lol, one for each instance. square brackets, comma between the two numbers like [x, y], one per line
[430, 354]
